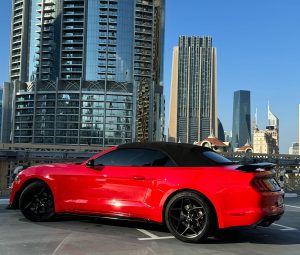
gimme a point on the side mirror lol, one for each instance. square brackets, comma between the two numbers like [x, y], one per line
[90, 163]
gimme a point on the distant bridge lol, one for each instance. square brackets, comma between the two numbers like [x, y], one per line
[15, 155]
[280, 160]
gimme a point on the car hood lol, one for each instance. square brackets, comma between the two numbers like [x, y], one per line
[56, 165]
[51, 167]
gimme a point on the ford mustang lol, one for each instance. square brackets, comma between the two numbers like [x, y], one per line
[191, 189]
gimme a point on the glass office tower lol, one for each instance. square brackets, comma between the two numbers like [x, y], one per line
[241, 126]
[92, 72]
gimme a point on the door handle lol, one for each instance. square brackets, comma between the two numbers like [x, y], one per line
[138, 178]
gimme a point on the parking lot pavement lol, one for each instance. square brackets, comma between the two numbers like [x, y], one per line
[84, 236]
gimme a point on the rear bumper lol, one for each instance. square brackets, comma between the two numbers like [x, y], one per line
[268, 220]
[262, 210]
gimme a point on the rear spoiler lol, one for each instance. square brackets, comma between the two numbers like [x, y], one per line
[257, 167]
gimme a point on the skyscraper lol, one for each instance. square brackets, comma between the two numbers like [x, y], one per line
[87, 71]
[193, 111]
[273, 127]
[221, 133]
[273, 121]
[241, 125]
[299, 126]
[1, 95]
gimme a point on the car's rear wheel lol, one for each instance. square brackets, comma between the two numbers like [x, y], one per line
[36, 202]
[189, 217]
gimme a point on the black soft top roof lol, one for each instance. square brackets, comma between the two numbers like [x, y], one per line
[183, 154]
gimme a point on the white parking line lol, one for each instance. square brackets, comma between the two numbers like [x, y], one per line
[293, 206]
[152, 236]
[285, 228]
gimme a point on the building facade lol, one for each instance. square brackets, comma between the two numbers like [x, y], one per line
[299, 125]
[294, 149]
[264, 143]
[1, 96]
[241, 122]
[99, 60]
[267, 140]
[273, 127]
[6, 113]
[221, 132]
[193, 111]
[214, 144]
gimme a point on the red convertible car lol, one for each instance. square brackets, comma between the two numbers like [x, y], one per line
[191, 189]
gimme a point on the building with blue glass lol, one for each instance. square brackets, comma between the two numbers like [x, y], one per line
[241, 125]
[87, 71]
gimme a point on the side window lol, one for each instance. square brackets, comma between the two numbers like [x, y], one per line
[116, 158]
[148, 157]
[134, 157]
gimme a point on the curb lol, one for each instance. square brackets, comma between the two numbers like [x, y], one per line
[291, 195]
[4, 201]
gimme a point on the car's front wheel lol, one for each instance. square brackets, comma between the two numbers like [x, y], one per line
[189, 217]
[36, 202]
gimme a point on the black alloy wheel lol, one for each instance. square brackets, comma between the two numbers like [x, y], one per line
[189, 217]
[36, 202]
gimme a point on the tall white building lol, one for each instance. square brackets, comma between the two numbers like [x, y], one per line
[294, 149]
[273, 126]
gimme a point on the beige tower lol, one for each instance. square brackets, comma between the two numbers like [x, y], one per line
[193, 105]
[172, 132]
[264, 143]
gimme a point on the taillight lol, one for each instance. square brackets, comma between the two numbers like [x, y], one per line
[265, 184]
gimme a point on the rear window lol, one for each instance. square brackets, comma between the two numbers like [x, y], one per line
[217, 157]
[201, 157]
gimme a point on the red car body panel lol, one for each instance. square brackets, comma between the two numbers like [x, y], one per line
[142, 192]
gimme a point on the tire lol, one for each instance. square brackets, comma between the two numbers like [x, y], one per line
[36, 202]
[189, 217]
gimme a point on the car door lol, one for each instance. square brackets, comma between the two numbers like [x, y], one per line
[117, 183]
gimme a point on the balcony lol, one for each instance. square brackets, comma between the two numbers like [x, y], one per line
[70, 55]
[73, 28]
[73, 42]
[73, 20]
[71, 48]
[73, 13]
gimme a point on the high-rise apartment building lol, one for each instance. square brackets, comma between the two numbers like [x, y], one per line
[241, 122]
[193, 106]
[87, 71]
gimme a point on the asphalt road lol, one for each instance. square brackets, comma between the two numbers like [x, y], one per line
[85, 236]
